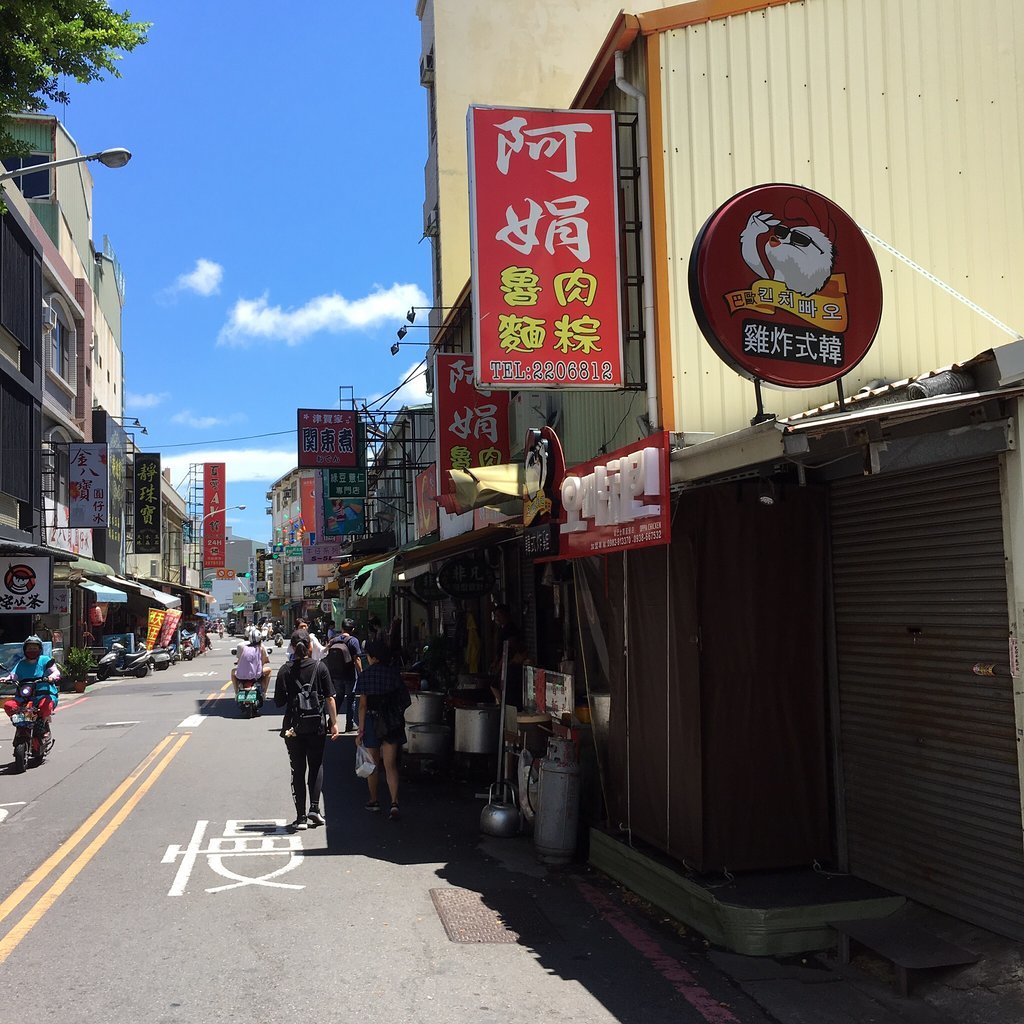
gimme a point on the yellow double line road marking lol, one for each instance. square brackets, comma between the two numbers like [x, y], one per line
[10, 940]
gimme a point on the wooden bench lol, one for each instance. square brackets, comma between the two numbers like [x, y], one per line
[907, 946]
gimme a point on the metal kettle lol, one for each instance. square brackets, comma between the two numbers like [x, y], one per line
[500, 818]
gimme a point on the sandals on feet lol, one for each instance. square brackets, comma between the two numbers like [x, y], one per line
[394, 812]
[372, 805]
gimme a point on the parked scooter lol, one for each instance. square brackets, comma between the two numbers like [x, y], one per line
[161, 658]
[188, 645]
[32, 736]
[118, 662]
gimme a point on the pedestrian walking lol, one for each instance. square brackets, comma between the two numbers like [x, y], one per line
[304, 688]
[341, 664]
[383, 699]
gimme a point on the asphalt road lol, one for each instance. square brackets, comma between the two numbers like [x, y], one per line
[147, 877]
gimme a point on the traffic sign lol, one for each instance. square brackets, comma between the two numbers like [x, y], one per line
[293, 550]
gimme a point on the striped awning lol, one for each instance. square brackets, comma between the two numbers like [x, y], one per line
[110, 595]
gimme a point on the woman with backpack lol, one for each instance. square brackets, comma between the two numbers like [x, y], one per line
[304, 689]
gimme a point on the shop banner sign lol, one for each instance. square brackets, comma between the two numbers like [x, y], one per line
[466, 576]
[60, 601]
[172, 616]
[58, 533]
[147, 503]
[157, 617]
[25, 584]
[618, 501]
[426, 502]
[261, 563]
[213, 527]
[472, 423]
[544, 223]
[115, 548]
[785, 287]
[328, 438]
[88, 486]
[321, 554]
[342, 505]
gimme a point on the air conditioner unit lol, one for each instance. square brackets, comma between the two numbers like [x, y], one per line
[154, 569]
[430, 225]
[49, 317]
[427, 69]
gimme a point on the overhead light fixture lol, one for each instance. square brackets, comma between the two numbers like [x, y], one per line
[395, 348]
[766, 492]
[411, 315]
[402, 332]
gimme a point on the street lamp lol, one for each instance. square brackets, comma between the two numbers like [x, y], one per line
[116, 157]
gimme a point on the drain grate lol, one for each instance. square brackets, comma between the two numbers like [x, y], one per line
[505, 917]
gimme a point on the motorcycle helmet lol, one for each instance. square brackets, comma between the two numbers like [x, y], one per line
[33, 639]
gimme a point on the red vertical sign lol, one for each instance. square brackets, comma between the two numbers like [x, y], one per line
[213, 515]
[545, 248]
[472, 423]
[307, 507]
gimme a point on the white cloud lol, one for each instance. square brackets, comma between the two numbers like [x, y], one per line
[203, 279]
[412, 392]
[188, 418]
[256, 318]
[148, 401]
[242, 464]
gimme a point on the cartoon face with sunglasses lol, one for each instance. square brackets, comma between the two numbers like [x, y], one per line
[800, 255]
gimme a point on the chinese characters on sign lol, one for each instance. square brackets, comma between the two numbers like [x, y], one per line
[25, 585]
[618, 501]
[328, 437]
[88, 486]
[466, 576]
[544, 223]
[213, 515]
[785, 286]
[472, 424]
[344, 492]
[147, 503]
[426, 502]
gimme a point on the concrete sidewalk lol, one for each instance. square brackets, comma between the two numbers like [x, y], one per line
[643, 966]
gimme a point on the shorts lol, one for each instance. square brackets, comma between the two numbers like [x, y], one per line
[372, 740]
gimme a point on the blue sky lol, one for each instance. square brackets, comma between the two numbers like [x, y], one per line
[268, 224]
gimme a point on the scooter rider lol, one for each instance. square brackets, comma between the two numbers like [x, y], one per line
[253, 664]
[44, 671]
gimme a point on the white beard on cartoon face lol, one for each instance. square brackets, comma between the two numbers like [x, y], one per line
[802, 268]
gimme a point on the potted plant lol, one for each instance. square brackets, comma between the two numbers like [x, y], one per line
[77, 663]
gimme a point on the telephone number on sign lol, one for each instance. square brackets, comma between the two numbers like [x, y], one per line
[551, 371]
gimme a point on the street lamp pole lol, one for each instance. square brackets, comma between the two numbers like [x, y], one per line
[116, 157]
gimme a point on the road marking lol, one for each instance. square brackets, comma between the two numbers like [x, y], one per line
[32, 917]
[4, 812]
[73, 704]
[271, 840]
[80, 833]
[112, 724]
[192, 722]
[200, 675]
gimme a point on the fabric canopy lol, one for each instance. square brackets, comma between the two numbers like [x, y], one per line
[483, 485]
[155, 596]
[104, 593]
[374, 580]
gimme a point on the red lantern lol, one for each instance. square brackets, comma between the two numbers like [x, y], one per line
[98, 614]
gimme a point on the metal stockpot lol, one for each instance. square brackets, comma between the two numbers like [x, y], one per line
[476, 729]
[428, 738]
[427, 708]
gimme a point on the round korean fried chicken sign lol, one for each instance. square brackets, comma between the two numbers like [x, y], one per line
[785, 286]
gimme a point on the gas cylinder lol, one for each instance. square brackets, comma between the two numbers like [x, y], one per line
[558, 804]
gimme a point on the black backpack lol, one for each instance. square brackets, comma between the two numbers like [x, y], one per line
[338, 660]
[306, 707]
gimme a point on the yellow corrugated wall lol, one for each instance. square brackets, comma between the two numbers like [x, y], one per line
[908, 114]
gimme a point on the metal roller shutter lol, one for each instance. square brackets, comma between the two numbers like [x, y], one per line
[928, 751]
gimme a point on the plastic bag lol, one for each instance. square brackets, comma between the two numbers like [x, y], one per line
[365, 766]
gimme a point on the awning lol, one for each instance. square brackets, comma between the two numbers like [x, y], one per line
[374, 580]
[17, 547]
[483, 485]
[104, 593]
[424, 553]
[155, 596]
[91, 567]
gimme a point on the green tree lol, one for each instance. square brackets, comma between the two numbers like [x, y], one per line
[43, 42]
